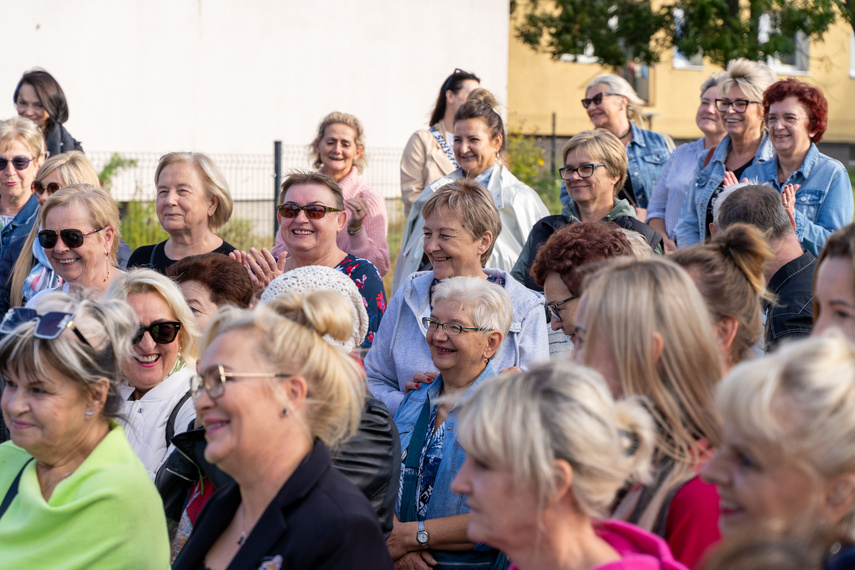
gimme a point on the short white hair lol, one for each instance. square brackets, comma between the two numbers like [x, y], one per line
[490, 304]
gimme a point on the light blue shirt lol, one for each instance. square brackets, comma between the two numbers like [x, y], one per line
[673, 185]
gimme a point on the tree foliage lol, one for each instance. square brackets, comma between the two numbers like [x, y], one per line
[618, 31]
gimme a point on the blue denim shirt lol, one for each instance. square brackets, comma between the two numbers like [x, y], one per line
[21, 224]
[647, 152]
[823, 202]
[691, 224]
[443, 502]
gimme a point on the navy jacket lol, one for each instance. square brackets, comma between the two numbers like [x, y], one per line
[792, 316]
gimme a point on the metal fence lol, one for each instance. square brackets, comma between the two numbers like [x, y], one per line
[250, 178]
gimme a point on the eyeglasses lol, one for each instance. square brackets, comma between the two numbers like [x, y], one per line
[739, 105]
[49, 325]
[451, 329]
[597, 99]
[40, 188]
[584, 170]
[71, 238]
[19, 162]
[313, 211]
[787, 120]
[213, 380]
[554, 308]
[162, 332]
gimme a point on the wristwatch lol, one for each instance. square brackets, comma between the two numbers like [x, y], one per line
[422, 536]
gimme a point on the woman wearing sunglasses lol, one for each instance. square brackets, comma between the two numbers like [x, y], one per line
[156, 387]
[595, 168]
[467, 324]
[22, 149]
[75, 494]
[311, 214]
[339, 153]
[273, 397]
[428, 155]
[740, 91]
[40, 98]
[612, 104]
[80, 235]
[193, 201]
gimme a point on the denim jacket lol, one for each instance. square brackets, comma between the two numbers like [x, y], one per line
[824, 200]
[647, 152]
[691, 226]
[443, 502]
[21, 224]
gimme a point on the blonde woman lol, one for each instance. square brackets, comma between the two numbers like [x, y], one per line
[644, 326]
[22, 150]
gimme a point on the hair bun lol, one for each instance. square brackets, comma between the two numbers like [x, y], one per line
[328, 313]
[483, 96]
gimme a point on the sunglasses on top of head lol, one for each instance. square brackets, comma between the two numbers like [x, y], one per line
[48, 325]
[71, 238]
[313, 211]
[19, 162]
[163, 332]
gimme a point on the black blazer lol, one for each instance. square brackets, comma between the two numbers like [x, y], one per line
[319, 520]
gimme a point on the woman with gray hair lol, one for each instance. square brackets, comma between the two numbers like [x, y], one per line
[546, 453]
[612, 104]
[740, 92]
[76, 496]
[193, 201]
[467, 324]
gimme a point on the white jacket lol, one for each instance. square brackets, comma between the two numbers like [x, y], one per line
[519, 209]
[145, 419]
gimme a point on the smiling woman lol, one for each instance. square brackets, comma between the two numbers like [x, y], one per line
[40, 98]
[22, 149]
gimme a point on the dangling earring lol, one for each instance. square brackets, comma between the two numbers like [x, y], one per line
[107, 261]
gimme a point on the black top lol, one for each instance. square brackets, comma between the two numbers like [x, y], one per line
[318, 520]
[58, 140]
[792, 316]
[154, 256]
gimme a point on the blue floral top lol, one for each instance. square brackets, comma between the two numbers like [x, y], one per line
[370, 285]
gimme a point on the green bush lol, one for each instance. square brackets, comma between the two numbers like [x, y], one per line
[526, 162]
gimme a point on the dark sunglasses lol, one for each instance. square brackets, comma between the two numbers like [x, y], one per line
[597, 99]
[49, 325]
[71, 238]
[19, 162]
[40, 188]
[163, 332]
[313, 211]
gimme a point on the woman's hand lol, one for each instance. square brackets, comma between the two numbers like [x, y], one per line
[402, 539]
[729, 179]
[421, 560]
[788, 198]
[358, 211]
[261, 266]
[419, 379]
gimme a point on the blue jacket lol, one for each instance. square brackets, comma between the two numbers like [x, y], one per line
[647, 152]
[823, 202]
[400, 349]
[21, 224]
[691, 226]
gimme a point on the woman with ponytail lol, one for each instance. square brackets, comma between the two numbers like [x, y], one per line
[273, 397]
[546, 453]
[728, 272]
[479, 141]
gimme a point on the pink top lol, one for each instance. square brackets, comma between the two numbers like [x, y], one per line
[370, 242]
[692, 526]
[638, 549]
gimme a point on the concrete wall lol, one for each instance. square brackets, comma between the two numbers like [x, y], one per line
[222, 76]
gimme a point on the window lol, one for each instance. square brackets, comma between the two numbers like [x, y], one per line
[798, 63]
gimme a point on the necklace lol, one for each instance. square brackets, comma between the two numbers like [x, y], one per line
[53, 482]
[242, 538]
[626, 134]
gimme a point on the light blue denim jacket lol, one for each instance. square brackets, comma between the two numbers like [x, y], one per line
[647, 152]
[823, 202]
[21, 224]
[691, 226]
[443, 502]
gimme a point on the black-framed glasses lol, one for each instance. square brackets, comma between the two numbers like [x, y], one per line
[313, 211]
[583, 170]
[19, 162]
[48, 326]
[39, 188]
[597, 99]
[739, 105]
[451, 329]
[162, 332]
[555, 308]
[71, 238]
[213, 380]
[773, 121]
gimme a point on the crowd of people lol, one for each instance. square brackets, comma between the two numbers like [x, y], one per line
[660, 376]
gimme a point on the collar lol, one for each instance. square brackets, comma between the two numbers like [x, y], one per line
[805, 261]
[637, 135]
[808, 163]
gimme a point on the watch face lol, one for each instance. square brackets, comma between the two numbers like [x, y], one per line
[422, 537]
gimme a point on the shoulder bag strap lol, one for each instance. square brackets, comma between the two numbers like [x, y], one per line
[411, 465]
[708, 158]
[13, 491]
[151, 258]
[170, 423]
[444, 146]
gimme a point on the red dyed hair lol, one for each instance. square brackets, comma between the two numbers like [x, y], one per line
[808, 95]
